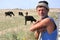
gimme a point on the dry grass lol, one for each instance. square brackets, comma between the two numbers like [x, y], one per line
[13, 28]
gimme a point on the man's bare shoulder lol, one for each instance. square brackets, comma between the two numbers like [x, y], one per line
[46, 20]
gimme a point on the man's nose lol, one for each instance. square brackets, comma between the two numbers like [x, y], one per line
[41, 12]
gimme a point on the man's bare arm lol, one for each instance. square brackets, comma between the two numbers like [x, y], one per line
[44, 23]
[39, 25]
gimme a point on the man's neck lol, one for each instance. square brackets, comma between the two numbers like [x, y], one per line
[43, 17]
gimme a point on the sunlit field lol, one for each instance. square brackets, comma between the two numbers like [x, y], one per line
[14, 28]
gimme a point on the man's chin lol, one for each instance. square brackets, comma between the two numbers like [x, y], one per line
[42, 17]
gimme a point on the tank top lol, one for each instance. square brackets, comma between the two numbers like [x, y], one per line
[46, 36]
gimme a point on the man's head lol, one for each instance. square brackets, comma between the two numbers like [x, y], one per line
[42, 8]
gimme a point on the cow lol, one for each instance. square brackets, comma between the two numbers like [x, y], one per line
[21, 13]
[9, 13]
[29, 18]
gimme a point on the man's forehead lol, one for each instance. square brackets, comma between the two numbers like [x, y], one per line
[41, 8]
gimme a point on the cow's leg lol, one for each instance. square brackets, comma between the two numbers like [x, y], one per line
[31, 21]
[25, 22]
[10, 15]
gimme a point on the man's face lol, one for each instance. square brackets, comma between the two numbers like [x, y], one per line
[42, 12]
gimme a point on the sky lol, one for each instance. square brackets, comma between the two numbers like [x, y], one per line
[26, 4]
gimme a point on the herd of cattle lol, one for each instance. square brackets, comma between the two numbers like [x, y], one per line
[10, 13]
[27, 18]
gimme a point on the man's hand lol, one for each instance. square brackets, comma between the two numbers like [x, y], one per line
[36, 34]
[36, 22]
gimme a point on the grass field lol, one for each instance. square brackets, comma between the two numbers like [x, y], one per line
[13, 28]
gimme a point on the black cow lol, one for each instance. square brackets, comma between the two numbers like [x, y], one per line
[21, 13]
[9, 13]
[29, 18]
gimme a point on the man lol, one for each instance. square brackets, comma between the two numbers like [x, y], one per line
[45, 25]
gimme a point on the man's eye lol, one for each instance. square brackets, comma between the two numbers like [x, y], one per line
[38, 10]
